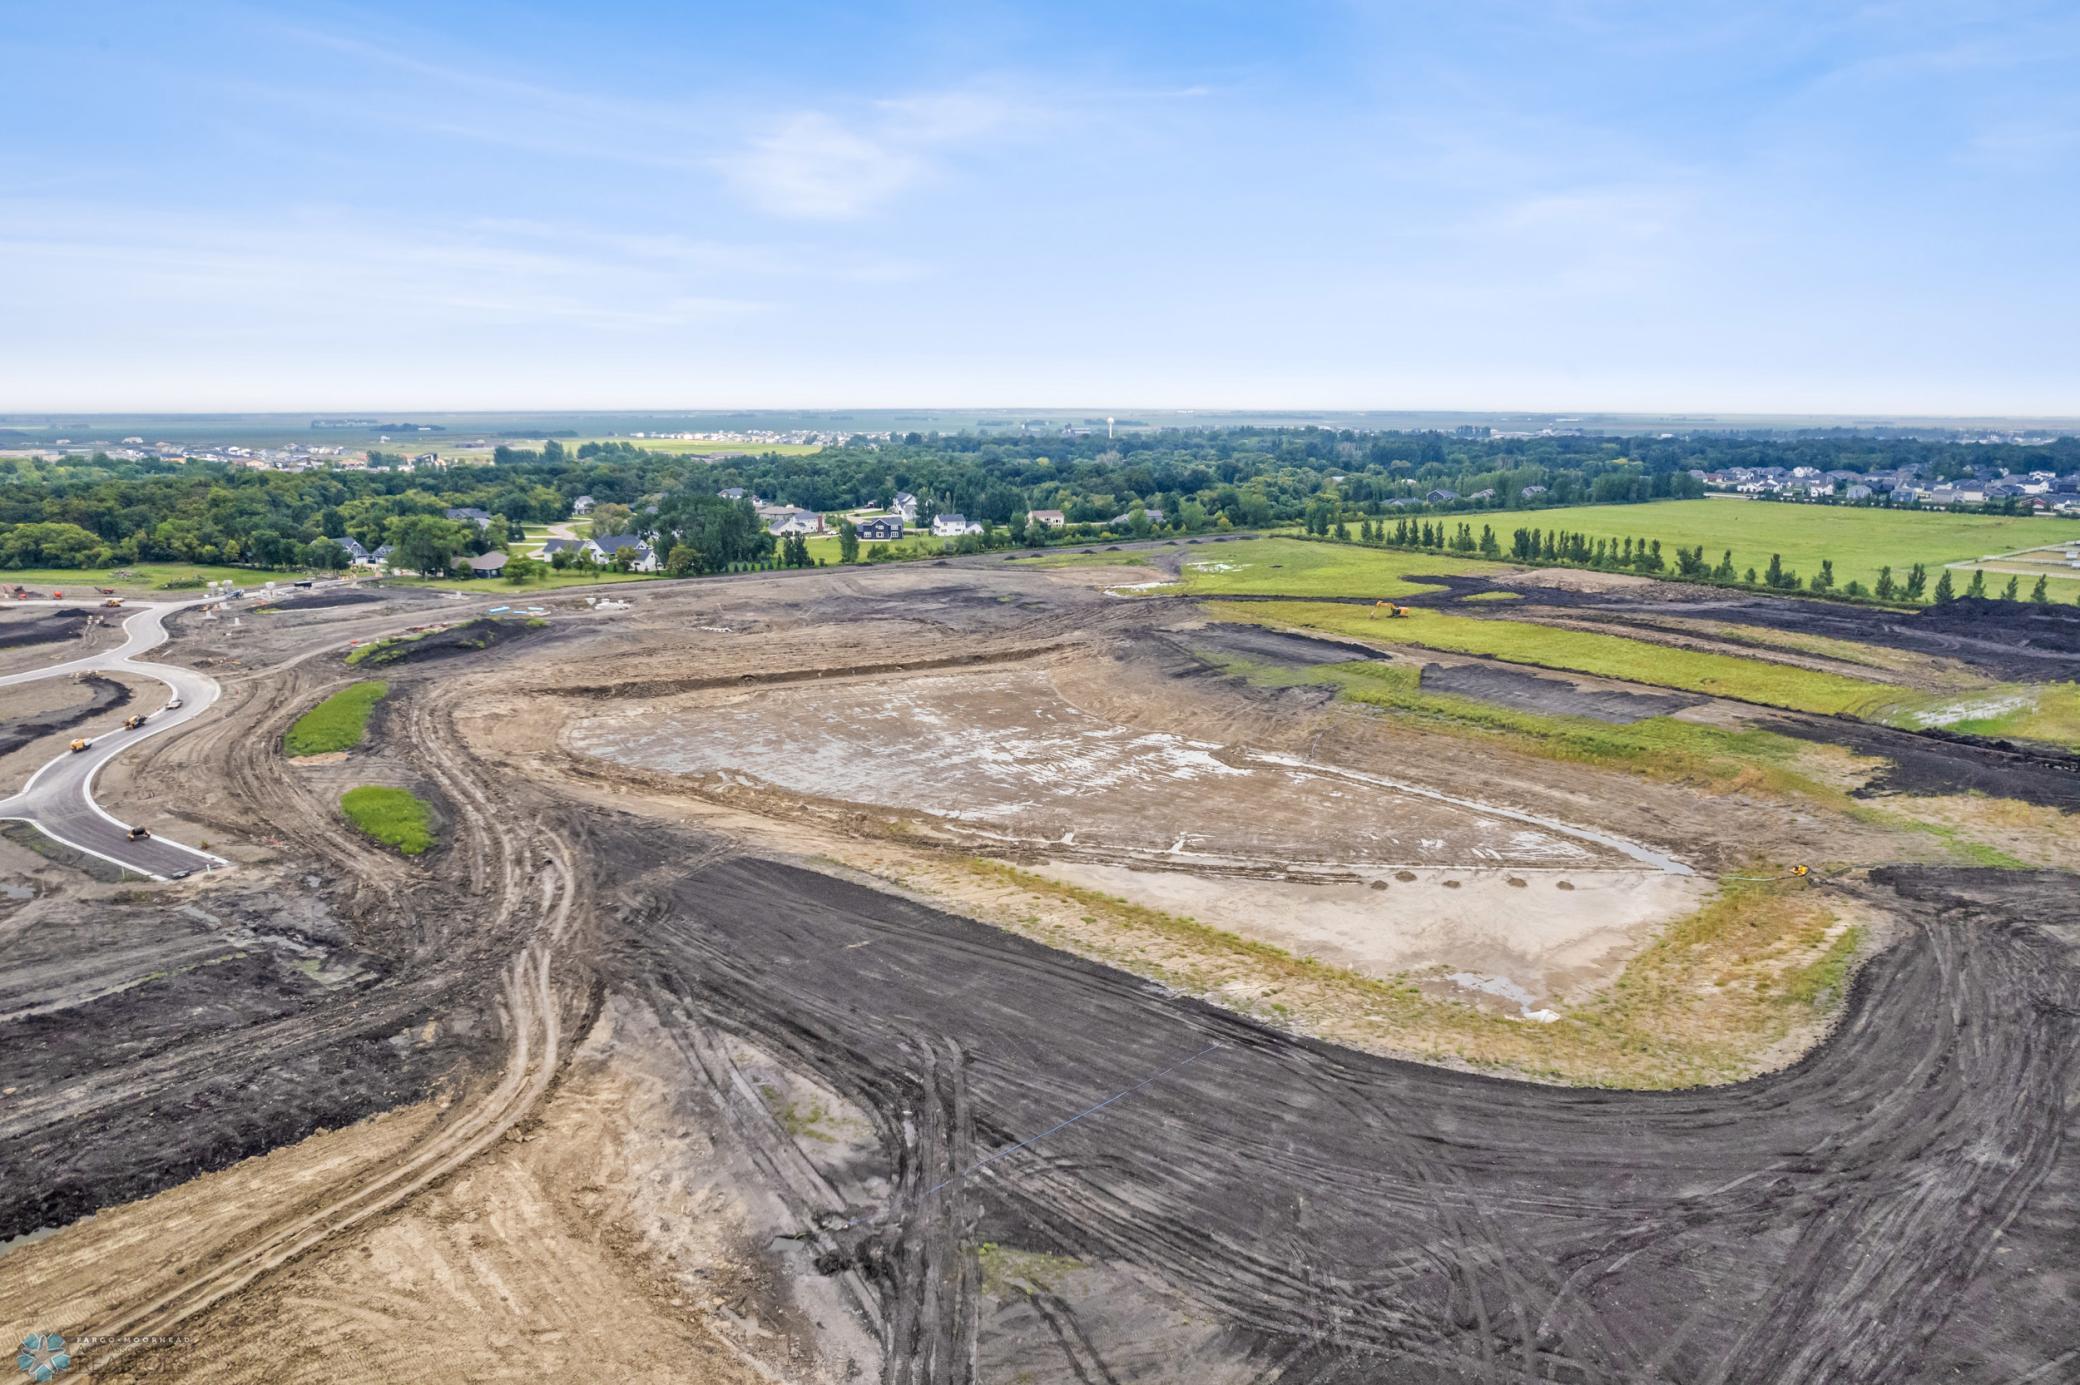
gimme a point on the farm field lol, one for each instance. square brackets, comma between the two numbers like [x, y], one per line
[1290, 567]
[1858, 541]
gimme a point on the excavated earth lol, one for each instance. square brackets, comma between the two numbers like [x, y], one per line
[608, 1085]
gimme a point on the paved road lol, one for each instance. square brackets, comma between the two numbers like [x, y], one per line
[59, 798]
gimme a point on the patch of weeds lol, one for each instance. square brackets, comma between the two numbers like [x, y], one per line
[1006, 1271]
[340, 722]
[397, 818]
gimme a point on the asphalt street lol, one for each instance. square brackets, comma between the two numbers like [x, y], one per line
[59, 798]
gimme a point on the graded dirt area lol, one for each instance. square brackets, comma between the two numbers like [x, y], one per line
[802, 989]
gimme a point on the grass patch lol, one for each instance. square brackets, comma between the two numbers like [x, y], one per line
[340, 722]
[1859, 541]
[1006, 1272]
[1493, 596]
[1706, 1002]
[1582, 651]
[397, 818]
[137, 577]
[1295, 567]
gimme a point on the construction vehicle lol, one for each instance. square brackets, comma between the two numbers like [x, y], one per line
[1394, 610]
[113, 602]
[138, 834]
[106, 591]
[134, 722]
[1799, 872]
[80, 744]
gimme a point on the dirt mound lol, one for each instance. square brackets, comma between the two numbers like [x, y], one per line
[48, 627]
[1936, 763]
[1531, 692]
[318, 601]
[16, 732]
[486, 632]
[2013, 622]
[1275, 646]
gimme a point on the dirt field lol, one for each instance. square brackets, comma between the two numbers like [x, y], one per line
[959, 974]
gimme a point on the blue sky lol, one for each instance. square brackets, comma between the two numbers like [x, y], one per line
[1560, 205]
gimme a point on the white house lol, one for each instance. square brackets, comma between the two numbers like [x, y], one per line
[784, 522]
[603, 550]
[1053, 519]
[905, 504]
[952, 526]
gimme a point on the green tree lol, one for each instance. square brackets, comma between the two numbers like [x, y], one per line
[521, 571]
[848, 541]
[2041, 593]
[1886, 586]
[1917, 582]
[1823, 580]
[1978, 586]
[2013, 591]
[1946, 590]
[683, 560]
[427, 544]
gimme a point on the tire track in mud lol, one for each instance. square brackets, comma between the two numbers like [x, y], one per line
[523, 900]
[1362, 1218]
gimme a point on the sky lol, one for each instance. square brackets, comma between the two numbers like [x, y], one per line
[1555, 204]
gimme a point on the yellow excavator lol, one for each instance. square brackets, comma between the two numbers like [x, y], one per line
[1393, 610]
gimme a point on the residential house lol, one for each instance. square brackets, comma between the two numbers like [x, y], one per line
[735, 493]
[582, 505]
[381, 557]
[1053, 519]
[1439, 497]
[485, 564]
[470, 514]
[784, 522]
[1859, 491]
[1531, 492]
[952, 526]
[880, 527]
[553, 547]
[603, 549]
[1488, 494]
[1155, 516]
[905, 504]
[355, 552]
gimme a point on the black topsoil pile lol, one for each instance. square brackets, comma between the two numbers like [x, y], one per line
[16, 732]
[470, 637]
[46, 627]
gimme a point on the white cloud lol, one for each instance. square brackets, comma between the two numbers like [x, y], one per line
[815, 166]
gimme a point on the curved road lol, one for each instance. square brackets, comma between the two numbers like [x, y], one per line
[59, 798]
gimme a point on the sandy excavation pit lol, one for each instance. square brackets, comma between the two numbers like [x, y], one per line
[1000, 756]
[1327, 862]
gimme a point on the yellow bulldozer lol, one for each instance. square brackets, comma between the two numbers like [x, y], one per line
[1392, 610]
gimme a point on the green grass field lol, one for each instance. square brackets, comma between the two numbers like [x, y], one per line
[395, 817]
[1581, 651]
[338, 723]
[143, 577]
[1858, 541]
[1296, 567]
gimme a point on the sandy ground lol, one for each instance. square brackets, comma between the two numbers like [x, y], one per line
[611, 1238]
[1527, 939]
